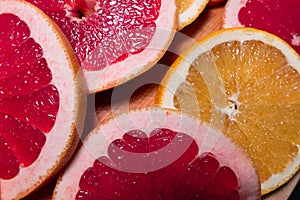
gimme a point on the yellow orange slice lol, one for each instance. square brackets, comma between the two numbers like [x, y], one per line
[189, 10]
[245, 83]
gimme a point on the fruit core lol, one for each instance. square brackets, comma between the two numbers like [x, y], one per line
[164, 165]
[81, 8]
[104, 32]
[233, 106]
[28, 101]
[255, 76]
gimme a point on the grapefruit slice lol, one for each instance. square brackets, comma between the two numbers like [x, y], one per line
[155, 153]
[275, 16]
[245, 83]
[40, 100]
[115, 41]
[189, 10]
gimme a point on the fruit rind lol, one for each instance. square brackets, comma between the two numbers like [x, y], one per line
[147, 119]
[136, 64]
[232, 6]
[188, 16]
[182, 63]
[72, 107]
[171, 81]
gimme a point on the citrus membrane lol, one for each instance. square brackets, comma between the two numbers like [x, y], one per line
[114, 40]
[155, 153]
[245, 83]
[275, 16]
[39, 99]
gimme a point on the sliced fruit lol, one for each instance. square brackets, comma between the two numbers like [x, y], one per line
[115, 41]
[40, 100]
[245, 83]
[189, 10]
[158, 154]
[275, 16]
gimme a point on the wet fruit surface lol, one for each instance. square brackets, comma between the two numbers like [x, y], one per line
[163, 165]
[104, 32]
[28, 101]
[274, 16]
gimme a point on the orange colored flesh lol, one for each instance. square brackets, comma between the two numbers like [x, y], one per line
[264, 93]
[183, 5]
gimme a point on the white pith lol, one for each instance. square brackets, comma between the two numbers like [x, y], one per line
[95, 145]
[238, 34]
[63, 78]
[136, 64]
[231, 13]
[231, 19]
[232, 109]
[191, 13]
[295, 39]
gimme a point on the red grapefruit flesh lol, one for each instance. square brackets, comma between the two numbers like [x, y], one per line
[114, 40]
[158, 154]
[38, 99]
[275, 16]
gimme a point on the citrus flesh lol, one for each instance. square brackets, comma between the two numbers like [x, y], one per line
[245, 85]
[276, 17]
[158, 154]
[190, 176]
[114, 40]
[32, 97]
[189, 10]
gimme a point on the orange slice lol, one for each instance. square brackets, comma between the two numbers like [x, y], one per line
[245, 83]
[189, 10]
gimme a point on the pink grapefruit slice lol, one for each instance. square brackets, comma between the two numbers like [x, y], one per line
[275, 16]
[115, 41]
[40, 100]
[156, 153]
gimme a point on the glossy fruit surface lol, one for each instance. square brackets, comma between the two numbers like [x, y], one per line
[158, 154]
[114, 41]
[275, 16]
[245, 83]
[39, 99]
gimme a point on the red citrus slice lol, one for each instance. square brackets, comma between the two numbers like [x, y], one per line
[114, 40]
[158, 154]
[275, 16]
[39, 99]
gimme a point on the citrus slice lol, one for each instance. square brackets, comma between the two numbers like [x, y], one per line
[115, 41]
[245, 83]
[275, 16]
[40, 100]
[155, 153]
[189, 10]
